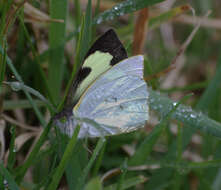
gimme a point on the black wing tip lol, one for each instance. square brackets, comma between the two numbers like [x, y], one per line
[111, 32]
[109, 42]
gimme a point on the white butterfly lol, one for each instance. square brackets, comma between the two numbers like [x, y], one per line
[116, 102]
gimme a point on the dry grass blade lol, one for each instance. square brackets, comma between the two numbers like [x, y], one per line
[104, 5]
[35, 15]
[205, 22]
[17, 123]
[175, 59]
[187, 42]
[144, 167]
[159, 74]
[2, 138]
[20, 141]
[140, 31]
[116, 171]
[111, 173]
[11, 16]
[37, 136]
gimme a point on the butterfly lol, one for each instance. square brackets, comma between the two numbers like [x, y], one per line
[110, 94]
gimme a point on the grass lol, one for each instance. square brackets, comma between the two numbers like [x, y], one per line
[35, 82]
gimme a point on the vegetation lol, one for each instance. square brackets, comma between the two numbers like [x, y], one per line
[42, 45]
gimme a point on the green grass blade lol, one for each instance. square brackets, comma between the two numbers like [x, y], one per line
[189, 165]
[81, 50]
[18, 77]
[8, 177]
[2, 64]
[185, 114]
[3, 9]
[78, 56]
[211, 91]
[128, 183]
[149, 71]
[94, 184]
[99, 160]
[190, 87]
[123, 169]
[177, 176]
[7, 17]
[177, 181]
[84, 38]
[126, 7]
[2, 185]
[21, 50]
[188, 131]
[179, 143]
[146, 147]
[204, 164]
[87, 33]
[23, 104]
[165, 17]
[97, 8]
[64, 161]
[36, 61]
[217, 182]
[77, 14]
[68, 94]
[12, 150]
[96, 12]
[90, 163]
[76, 165]
[16, 86]
[210, 102]
[58, 10]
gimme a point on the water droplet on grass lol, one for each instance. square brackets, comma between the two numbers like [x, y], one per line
[174, 103]
[193, 115]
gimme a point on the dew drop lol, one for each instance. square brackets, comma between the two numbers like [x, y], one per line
[5, 183]
[183, 170]
[15, 149]
[12, 130]
[151, 100]
[174, 103]
[192, 115]
[16, 86]
[99, 20]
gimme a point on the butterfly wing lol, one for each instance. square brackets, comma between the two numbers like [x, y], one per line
[117, 102]
[108, 44]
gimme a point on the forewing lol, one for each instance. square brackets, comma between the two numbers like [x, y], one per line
[108, 43]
